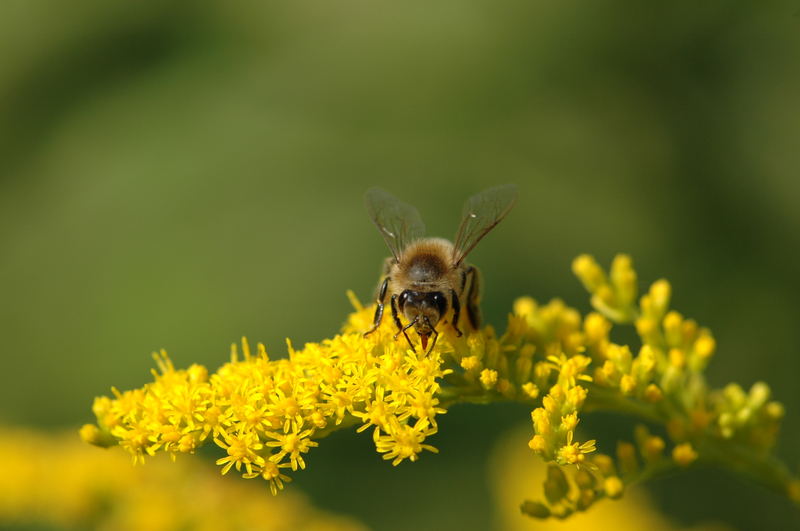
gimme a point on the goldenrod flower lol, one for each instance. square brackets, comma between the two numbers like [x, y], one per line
[242, 448]
[292, 444]
[271, 472]
[613, 487]
[684, 454]
[488, 378]
[573, 453]
[404, 441]
[267, 414]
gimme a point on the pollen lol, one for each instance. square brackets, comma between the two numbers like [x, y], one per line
[531, 390]
[470, 362]
[488, 378]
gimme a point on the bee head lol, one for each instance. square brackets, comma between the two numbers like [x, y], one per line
[424, 309]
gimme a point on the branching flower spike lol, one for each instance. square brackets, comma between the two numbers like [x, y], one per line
[268, 414]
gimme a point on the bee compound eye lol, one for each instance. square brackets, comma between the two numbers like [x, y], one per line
[403, 299]
[440, 302]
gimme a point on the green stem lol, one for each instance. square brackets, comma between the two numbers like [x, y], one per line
[347, 422]
[763, 469]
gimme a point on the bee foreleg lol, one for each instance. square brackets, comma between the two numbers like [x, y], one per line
[400, 325]
[377, 320]
[456, 312]
[379, 309]
[473, 298]
[435, 337]
[396, 318]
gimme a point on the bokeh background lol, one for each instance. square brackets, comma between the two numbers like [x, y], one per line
[180, 174]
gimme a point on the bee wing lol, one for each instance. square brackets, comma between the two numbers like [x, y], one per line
[399, 223]
[482, 212]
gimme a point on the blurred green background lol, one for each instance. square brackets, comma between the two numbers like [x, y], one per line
[180, 174]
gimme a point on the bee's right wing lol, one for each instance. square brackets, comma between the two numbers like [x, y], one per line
[399, 223]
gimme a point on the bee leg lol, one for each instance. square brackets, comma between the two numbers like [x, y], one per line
[435, 337]
[377, 320]
[379, 310]
[406, 327]
[399, 324]
[456, 312]
[403, 328]
[473, 298]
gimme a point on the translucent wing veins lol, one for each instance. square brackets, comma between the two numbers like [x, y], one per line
[482, 212]
[399, 223]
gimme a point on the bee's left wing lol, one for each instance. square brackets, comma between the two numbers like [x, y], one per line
[399, 223]
[482, 212]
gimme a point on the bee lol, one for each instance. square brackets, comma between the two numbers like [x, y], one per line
[425, 278]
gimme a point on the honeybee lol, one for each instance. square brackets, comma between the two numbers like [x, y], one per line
[426, 278]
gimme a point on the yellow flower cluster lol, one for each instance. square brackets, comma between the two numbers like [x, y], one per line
[515, 475]
[751, 417]
[664, 381]
[565, 494]
[668, 368]
[78, 487]
[266, 414]
[511, 368]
